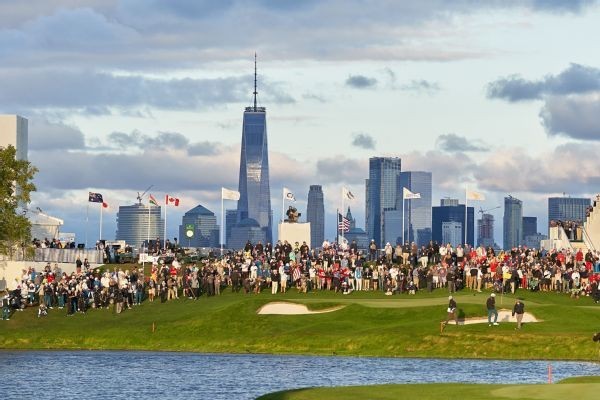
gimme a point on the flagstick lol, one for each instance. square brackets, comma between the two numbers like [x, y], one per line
[282, 204]
[403, 216]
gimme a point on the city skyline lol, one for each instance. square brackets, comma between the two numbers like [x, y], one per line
[489, 95]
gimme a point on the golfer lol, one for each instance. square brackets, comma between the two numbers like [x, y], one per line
[452, 314]
[491, 309]
[518, 310]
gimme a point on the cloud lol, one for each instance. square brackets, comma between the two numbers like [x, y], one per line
[45, 135]
[421, 86]
[340, 169]
[98, 92]
[576, 79]
[572, 116]
[363, 140]
[453, 143]
[360, 82]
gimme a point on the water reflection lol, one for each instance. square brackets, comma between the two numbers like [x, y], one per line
[68, 374]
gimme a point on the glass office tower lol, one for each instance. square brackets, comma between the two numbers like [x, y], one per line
[315, 214]
[417, 221]
[381, 198]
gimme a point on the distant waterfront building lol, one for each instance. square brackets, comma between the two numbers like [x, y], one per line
[14, 132]
[355, 233]
[485, 231]
[315, 214]
[417, 221]
[448, 202]
[567, 209]
[452, 213]
[529, 226]
[534, 241]
[246, 230]
[513, 222]
[137, 223]
[230, 221]
[255, 192]
[203, 224]
[452, 233]
[381, 196]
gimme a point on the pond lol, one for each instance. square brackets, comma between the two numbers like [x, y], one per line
[124, 374]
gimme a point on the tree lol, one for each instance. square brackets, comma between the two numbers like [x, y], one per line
[15, 188]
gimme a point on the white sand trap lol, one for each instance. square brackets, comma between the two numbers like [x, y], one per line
[280, 308]
[504, 316]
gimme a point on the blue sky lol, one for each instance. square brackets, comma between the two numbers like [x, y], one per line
[503, 96]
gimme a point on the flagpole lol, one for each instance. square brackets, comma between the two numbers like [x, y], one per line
[222, 222]
[101, 207]
[343, 229]
[87, 220]
[282, 204]
[165, 237]
[403, 216]
[466, 213]
[337, 232]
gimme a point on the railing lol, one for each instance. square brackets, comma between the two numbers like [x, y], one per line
[587, 239]
[564, 240]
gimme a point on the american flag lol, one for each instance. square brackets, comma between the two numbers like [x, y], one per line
[343, 223]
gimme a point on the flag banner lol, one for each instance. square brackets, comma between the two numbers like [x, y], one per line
[343, 223]
[228, 194]
[288, 195]
[104, 205]
[472, 195]
[171, 200]
[407, 194]
[152, 200]
[347, 194]
[95, 198]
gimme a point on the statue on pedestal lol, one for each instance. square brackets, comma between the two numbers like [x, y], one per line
[292, 215]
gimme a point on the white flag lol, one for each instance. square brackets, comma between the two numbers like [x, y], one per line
[288, 195]
[347, 194]
[228, 194]
[471, 195]
[407, 194]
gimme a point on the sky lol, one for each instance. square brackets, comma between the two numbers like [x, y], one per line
[499, 96]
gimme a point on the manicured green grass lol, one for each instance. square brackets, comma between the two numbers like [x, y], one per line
[370, 324]
[586, 389]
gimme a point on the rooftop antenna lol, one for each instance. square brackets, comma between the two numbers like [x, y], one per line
[255, 91]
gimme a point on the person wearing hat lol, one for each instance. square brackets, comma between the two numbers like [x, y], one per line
[491, 309]
[452, 314]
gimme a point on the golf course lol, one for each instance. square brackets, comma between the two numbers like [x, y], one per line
[581, 388]
[361, 323]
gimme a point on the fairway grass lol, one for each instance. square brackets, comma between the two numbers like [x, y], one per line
[370, 324]
[585, 389]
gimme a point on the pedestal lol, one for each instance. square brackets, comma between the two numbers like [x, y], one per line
[294, 232]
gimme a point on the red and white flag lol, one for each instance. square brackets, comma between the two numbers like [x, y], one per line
[174, 201]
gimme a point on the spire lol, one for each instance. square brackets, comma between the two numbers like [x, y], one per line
[255, 91]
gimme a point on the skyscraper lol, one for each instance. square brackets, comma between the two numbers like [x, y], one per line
[513, 222]
[567, 209]
[485, 230]
[255, 193]
[203, 223]
[529, 226]
[417, 221]
[14, 132]
[138, 222]
[381, 189]
[452, 213]
[315, 214]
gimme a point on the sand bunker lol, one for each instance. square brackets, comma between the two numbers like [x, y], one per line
[503, 317]
[280, 308]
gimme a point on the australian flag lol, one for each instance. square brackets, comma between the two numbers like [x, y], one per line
[95, 198]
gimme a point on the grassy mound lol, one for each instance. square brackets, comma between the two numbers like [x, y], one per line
[370, 324]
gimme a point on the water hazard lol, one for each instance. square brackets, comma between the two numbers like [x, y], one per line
[137, 375]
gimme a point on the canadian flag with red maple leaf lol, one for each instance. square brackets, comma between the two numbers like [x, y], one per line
[174, 201]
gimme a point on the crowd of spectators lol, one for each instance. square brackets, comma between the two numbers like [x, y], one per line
[343, 269]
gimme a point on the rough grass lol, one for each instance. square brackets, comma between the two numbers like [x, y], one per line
[391, 326]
